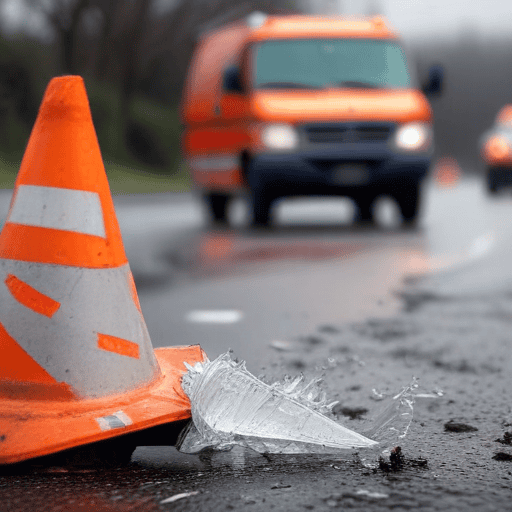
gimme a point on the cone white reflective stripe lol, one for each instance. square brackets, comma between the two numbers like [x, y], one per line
[117, 420]
[58, 208]
[78, 323]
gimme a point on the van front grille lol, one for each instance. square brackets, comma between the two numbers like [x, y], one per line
[346, 133]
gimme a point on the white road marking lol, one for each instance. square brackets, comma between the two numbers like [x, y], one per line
[214, 316]
[482, 245]
[180, 496]
[479, 248]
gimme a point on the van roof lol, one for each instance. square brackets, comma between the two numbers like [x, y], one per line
[304, 26]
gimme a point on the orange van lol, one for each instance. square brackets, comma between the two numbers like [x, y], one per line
[280, 106]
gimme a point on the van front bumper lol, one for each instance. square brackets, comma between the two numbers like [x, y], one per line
[312, 173]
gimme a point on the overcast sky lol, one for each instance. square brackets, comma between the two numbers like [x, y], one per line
[425, 18]
[434, 17]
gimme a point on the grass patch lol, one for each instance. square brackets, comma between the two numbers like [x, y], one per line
[122, 180]
[8, 172]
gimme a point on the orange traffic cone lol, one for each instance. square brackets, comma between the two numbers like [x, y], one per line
[76, 362]
[447, 172]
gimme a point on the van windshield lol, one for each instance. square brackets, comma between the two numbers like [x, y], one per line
[321, 63]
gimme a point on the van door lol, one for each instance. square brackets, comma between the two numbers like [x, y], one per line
[212, 137]
[232, 118]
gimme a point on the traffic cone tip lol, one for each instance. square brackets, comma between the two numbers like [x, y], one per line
[65, 97]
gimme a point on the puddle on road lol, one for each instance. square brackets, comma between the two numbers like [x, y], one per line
[230, 407]
[224, 252]
[216, 253]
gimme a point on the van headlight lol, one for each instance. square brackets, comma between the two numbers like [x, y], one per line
[413, 137]
[280, 137]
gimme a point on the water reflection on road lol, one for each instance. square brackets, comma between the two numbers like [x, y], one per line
[460, 224]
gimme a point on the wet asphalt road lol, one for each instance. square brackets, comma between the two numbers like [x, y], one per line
[366, 309]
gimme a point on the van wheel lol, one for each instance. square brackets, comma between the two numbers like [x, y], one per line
[261, 205]
[217, 205]
[364, 204]
[492, 185]
[408, 199]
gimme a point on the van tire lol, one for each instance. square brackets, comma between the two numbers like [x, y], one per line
[364, 203]
[492, 184]
[217, 205]
[261, 206]
[408, 199]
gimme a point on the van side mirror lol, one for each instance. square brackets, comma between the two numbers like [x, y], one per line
[232, 80]
[434, 85]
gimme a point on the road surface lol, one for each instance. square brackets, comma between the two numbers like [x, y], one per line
[366, 309]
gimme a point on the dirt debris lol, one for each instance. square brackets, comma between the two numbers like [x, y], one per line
[351, 412]
[280, 486]
[414, 299]
[507, 439]
[453, 426]
[397, 461]
[329, 329]
[503, 456]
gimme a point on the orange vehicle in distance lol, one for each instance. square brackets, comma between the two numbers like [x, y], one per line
[496, 151]
[280, 106]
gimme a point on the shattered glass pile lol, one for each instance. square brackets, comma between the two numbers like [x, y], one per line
[230, 406]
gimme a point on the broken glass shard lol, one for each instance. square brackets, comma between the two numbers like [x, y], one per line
[231, 406]
[391, 423]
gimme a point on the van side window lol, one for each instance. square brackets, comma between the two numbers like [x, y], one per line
[232, 80]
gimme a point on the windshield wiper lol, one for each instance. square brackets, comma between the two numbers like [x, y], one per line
[287, 85]
[353, 84]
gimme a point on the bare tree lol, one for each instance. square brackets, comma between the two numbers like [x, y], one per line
[134, 47]
[64, 17]
[169, 45]
[127, 41]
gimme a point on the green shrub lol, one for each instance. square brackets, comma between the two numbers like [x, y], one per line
[146, 137]
[159, 131]
[22, 72]
[150, 139]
